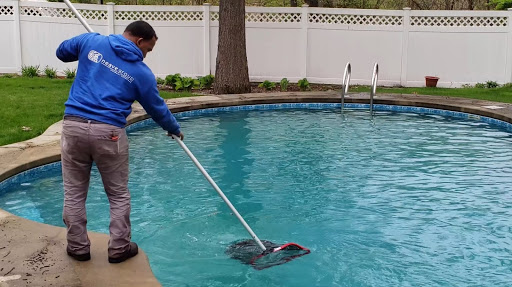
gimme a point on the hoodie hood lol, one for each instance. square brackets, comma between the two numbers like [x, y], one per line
[125, 49]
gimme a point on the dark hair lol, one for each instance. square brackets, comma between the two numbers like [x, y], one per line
[141, 29]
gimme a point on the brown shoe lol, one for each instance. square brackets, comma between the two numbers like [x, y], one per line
[131, 252]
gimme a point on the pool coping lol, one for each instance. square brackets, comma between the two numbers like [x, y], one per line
[35, 251]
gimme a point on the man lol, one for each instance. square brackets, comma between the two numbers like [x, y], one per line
[110, 77]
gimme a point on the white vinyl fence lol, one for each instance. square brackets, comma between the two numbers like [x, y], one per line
[459, 47]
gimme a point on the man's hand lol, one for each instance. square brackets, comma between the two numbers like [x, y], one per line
[181, 135]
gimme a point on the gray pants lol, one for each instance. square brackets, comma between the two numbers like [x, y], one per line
[83, 143]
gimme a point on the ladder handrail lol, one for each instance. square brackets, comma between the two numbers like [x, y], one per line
[373, 91]
[345, 84]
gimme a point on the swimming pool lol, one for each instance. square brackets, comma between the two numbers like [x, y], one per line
[403, 199]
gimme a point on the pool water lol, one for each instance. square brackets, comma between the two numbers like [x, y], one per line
[402, 199]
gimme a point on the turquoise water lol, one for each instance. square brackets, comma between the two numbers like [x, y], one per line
[400, 200]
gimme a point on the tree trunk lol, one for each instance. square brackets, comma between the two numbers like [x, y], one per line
[327, 3]
[447, 4]
[471, 5]
[231, 73]
[312, 3]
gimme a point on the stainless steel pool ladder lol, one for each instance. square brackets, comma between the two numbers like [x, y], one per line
[345, 84]
[373, 91]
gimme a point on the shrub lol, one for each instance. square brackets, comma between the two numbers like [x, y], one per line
[70, 73]
[303, 84]
[284, 84]
[30, 71]
[500, 4]
[171, 80]
[491, 84]
[50, 73]
[487, 85]
[206, 82]
[160, 81]
[196, 83]
[507, 86]
[185, 83]
[267, 85]
[8, 76]
[188, 83]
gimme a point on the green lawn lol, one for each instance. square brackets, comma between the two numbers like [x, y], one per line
[503, 94]
[37, 103]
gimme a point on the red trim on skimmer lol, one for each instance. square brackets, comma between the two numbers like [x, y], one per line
[284, 247]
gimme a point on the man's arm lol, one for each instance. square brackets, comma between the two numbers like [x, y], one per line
[156, 107]
[69, 50]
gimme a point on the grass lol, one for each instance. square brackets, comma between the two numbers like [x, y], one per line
[35, 103]
[502, 94]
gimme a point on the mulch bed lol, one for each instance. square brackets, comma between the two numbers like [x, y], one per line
[256, 89]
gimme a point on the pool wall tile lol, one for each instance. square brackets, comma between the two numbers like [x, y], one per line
[28, 175]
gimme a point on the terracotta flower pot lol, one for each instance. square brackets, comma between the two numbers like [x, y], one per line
[431, 81]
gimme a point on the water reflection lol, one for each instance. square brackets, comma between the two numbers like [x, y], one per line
[236, 161]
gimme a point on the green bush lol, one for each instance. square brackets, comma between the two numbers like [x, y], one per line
[501, 4]
[267, 85]
[185, 83]
[491, 84]
[206, 82]
[8, 76]
[196, 83]
[487, 85]
[30, 71]
[507, 86]
[160, 81]
[70, 73]
[171, 80]
[50, 73]
[303, 84]
[284, 84]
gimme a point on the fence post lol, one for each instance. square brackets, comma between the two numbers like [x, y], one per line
[305, 23]
[206, 49]
[405, 45]
[17, 36]
[111, 17]
[508, 69]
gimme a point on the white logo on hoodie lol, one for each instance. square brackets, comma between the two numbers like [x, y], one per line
[95, 56]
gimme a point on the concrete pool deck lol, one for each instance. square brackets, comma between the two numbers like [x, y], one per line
[33, 254]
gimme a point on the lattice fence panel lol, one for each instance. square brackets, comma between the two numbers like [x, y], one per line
[172, 16]
[6, 10]
[462, 21]
[214, 16]
[62, 13]
[272, 17]
[371, 20]
[254, 17]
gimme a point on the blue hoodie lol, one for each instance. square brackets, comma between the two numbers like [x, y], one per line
[110, 77]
